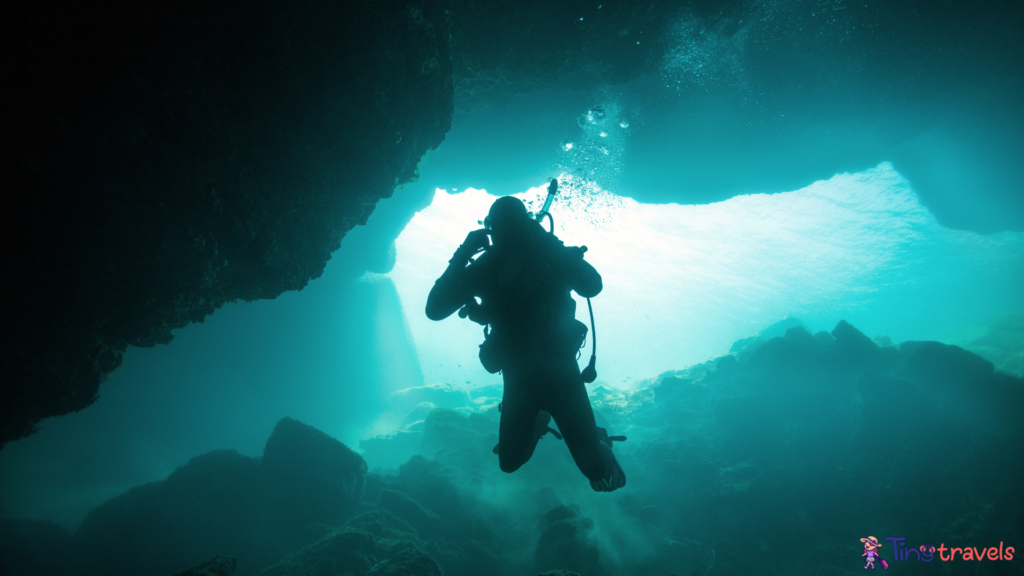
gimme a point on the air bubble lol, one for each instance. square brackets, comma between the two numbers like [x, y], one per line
[568, 146]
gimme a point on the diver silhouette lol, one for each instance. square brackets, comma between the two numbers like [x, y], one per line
[523, 280]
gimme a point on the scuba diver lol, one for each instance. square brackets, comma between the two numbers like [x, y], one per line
[523, 280]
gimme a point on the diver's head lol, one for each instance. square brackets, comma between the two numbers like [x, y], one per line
[507, 219]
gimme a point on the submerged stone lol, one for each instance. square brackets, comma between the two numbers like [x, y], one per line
[408, 562]
[219, 566]
[322, 477]
[256, 510]
[425, 521]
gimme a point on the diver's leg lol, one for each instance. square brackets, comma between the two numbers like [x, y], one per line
[519, 417]
[541, 427]
[569, 404]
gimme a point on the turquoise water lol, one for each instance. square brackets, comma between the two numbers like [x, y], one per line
[773, 255]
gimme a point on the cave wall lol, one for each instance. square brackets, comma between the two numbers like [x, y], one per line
[163, 159]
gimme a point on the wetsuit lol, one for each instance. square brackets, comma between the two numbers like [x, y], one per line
[524, 290]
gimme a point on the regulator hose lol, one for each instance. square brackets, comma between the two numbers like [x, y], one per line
[589, 373]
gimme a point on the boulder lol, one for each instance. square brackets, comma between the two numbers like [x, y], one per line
[219, 566]
[440, 395]
[451, 430]
[34, 547]
[408, 562]
[377, 542]
[426, 522]
[564, 541]
[318, 477]
[418, 413]
[344, 551]
[223, 503]
[943, 365]
[392, 450]
[214, 505]
[383, 524]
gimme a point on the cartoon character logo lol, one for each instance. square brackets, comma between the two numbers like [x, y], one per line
[871, 547]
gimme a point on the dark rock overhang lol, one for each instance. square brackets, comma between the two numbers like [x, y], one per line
[162, 159]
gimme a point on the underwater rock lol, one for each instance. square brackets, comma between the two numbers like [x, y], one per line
[448, 554]
[964, 385]
[214, 505]
[390, 451]
[417, 468]
[450, 430]
[219, 566]
[418, 414]
[452, 493]
[730, 461]
[942, 364]
[343, 551]
[447, 491]
[746, 346]
[166, 159]
[469, 560]
[775, 441]
[384, 524]
[33, 547]
[321, 477]
[377, 542]
[223, 503]
[564, 541]
[425, 521]
[440, 395]
[859, 351]
[748, 451]
[484, 538]
[408, 562]
[733, 458]
[488, 391]
[682, 556]
[999, 339]
[375, 483]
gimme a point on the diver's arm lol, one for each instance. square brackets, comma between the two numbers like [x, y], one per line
[583, 278]
[450, 291]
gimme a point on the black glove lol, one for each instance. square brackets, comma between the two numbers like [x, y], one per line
[576, 253]
[475, 240]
